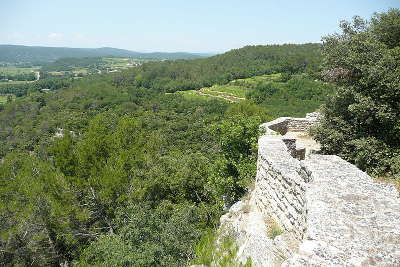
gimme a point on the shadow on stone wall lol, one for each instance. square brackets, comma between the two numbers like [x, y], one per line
[330, 212]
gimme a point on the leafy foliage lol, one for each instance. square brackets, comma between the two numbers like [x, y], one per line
[26, 88]
[295, 95]
[30, 76]
[68, 64]
[109, 170]
[222, 252]
[148, 237]
[362, 120]
[37, 213]
[171, 76]
[237, 136]
[274, 229]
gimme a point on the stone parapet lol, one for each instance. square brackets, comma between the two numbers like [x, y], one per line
[280, 189]
[330, 212]
[283, 125]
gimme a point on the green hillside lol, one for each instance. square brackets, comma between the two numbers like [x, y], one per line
[234, 91]
[249, 61]
[135, 168]
[281, 95]
[40, 54]
[122, 149]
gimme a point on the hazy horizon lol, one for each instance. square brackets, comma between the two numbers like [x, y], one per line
[189, 52]
[176, 26]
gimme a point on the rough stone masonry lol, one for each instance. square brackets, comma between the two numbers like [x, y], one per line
[330, 212]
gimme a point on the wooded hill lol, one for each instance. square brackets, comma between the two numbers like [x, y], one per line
[109, 169]
[171, 76]
[41, 54]
[119, 170]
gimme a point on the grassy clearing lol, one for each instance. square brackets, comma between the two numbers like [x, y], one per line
[237, 91]
[57, 73]
[208, 94]
[3, 99]
[122, 63]
[78, 71]
[116, 59]
[116, 63]
[249, 82]
[15, 82]
[193, 94]
[11, 70]
[196, 94]
[234, 91]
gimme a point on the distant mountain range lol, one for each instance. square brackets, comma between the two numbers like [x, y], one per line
[42, 54]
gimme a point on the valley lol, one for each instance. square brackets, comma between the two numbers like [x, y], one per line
[110, 157]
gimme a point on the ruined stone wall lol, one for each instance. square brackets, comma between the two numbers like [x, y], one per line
[351, 219]
[287, 124]
[280, 190]
[331, 213]
[299, 125]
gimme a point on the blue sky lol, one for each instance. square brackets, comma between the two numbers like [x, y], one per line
[176, 25]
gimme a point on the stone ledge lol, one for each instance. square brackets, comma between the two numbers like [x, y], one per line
[352, 220]
[333, 213]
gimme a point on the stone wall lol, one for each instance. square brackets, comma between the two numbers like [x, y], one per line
[351, 219]
[287, 124]
[280, 190]
[331, 213]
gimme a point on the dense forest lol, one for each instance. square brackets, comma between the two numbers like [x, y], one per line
[67, 64]
[26, 88]
[120, 170]
[110, 170]
[18, 77]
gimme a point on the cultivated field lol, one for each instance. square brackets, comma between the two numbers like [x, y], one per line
[12, 70]
[234, 91]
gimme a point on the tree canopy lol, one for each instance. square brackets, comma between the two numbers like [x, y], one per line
[117, 169]
[362, 120]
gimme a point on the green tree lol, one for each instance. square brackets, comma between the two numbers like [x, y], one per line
[362, 120]
[9, 98]
[37, 212]
[146, 236]
[235, 169]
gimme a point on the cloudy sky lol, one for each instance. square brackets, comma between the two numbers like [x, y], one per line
[176, 25]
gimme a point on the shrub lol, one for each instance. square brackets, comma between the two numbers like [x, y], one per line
[219, 250]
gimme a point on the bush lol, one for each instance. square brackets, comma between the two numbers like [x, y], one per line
[219, 250]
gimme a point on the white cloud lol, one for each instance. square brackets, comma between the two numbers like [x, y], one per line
[55, 36]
